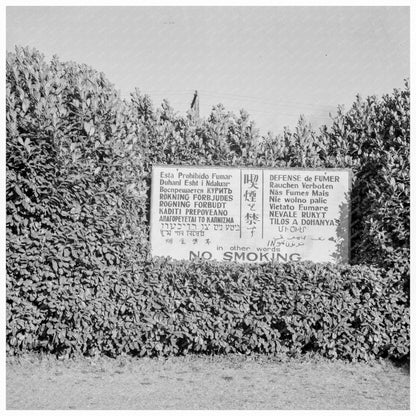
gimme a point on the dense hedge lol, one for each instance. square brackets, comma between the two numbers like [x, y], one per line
[374, 138]
[173, 307]
[79, 160]
[72, 174]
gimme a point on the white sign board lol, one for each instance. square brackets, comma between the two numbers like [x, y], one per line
[250, 214]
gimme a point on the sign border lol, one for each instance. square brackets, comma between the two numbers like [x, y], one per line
[348, 170]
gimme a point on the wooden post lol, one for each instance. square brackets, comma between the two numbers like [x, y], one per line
[195, 105]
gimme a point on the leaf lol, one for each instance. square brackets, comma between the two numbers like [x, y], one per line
[25, 105]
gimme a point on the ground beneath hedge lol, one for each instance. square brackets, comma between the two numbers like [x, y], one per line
[227, 382]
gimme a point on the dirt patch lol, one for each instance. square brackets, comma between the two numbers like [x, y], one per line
[228, 382]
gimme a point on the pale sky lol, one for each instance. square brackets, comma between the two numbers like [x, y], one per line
[275, 62]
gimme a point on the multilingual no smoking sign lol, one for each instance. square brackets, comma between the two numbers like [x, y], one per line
[250, 214]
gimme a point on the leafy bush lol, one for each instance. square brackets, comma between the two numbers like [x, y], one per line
[79, 161]
[75, 196]
[373, 138]
[179, 307]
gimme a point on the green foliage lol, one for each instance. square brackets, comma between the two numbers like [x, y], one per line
[373, 138]
[75, 200]
[179, 307]
[79, 277]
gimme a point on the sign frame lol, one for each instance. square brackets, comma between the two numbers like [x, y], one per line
[263, 168]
